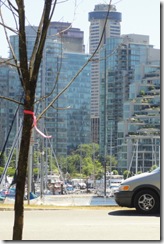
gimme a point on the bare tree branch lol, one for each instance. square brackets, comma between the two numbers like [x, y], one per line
[11, 49]
[22, 44]
[11, 5]
[6, 61]
[41, 36]
[9, 28]
[58, 108]
[11, 100]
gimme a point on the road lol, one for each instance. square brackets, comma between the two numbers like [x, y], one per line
[83, 224]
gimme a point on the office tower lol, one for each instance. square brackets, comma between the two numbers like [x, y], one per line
[68, 119]
[102, 14]
[122, 55]
[77, 99]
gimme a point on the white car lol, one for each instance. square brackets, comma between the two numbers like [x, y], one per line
[141, 192]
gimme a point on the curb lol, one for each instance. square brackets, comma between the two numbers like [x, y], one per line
[43, 207]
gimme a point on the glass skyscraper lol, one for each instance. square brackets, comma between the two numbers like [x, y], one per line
[103, 13]
[68, 118]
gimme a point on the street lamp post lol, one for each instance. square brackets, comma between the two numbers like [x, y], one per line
[41, 174]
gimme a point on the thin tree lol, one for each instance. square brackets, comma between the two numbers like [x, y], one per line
[28, 74]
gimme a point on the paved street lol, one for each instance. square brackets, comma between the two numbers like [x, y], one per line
[83, 224]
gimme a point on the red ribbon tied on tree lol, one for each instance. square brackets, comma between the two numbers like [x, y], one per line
[35, 123]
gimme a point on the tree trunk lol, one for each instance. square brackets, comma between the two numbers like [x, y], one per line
[21, 178]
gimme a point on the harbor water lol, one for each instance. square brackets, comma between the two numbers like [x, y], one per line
[69, 200]
[77, 200]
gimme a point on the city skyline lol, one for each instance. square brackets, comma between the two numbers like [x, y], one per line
[136, 18]
[120, 85]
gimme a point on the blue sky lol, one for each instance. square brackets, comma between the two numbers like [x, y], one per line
[138, 16]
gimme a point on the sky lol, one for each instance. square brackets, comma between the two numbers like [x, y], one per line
[138, 17]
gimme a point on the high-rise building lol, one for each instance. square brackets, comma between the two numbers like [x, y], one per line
[120, 57]
[68, 119]
[104, 23]
[138, 137]
[78, 97]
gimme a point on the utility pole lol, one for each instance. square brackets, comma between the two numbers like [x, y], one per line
[105, 124]
[159, 156]
[111, 153]
[42, 171]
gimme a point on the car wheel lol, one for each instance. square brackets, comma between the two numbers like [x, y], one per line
[146, 201]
